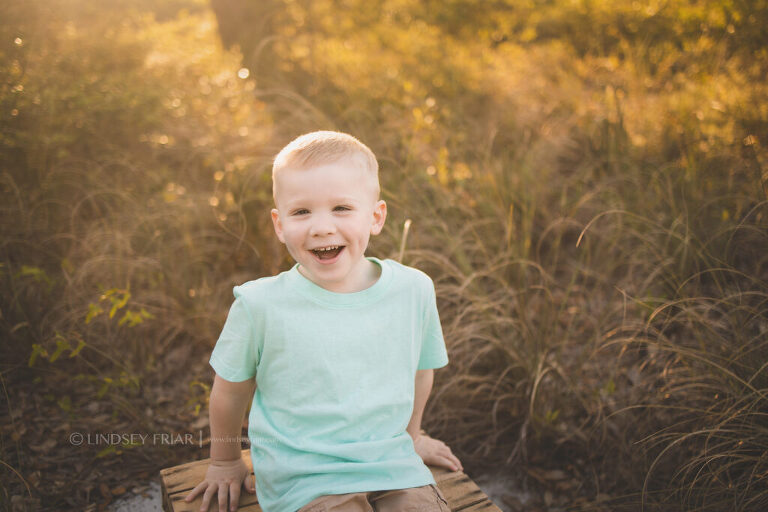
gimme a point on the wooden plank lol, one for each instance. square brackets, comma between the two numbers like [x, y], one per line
[484, 506]
[186, 476]
[462, 494]
[179, 480]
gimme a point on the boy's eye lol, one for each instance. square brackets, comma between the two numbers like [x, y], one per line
[300, 211]
[341, 208]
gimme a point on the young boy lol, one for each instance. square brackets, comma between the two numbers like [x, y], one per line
[342, 346]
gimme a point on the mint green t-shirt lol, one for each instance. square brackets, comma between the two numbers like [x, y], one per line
[335, 381]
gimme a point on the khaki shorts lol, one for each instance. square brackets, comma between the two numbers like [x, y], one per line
[416, 499]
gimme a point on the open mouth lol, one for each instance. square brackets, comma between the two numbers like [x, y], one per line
[327, 253]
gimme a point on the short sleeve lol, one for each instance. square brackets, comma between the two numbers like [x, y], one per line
[433, 353]
[236, 354]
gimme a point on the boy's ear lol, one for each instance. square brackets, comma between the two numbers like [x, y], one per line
[379, 216]
[277, 225]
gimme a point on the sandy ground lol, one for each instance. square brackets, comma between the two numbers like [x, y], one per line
[146, 498]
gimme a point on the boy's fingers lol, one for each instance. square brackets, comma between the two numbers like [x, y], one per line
[448, 463]
[207, 497]
[234, 496]
[457, 462]
[194, 492]
[449, 455]
[454, 458]
[223, 495]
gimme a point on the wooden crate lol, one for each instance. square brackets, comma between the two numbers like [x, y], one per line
[460, 491]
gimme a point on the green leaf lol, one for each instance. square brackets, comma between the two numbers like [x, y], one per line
[37, 350]
[129, 380]
[36, 273]
[119, 299]
[104, 388]
[133, 318]
[552, 416]
[201, 384]
[67, 266]
[80, 345]
[111, 449]
[93, 311]
[61, 345]
[65, 403]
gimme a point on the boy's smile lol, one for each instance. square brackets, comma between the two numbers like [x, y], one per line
[325, 216]
[328, 255]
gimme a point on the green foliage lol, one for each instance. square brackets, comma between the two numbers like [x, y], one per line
[62, 344]
[134, 318]
[117, 299]
[122, 381]
[200, 393]
[584, 180]
[35, 273]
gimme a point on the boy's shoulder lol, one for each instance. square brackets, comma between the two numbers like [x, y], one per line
[410, 275]
[256, 289]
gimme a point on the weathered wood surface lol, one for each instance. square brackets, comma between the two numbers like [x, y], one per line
[460, 491]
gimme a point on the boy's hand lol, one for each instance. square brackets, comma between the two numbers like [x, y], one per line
[225, 477]
[436, 453]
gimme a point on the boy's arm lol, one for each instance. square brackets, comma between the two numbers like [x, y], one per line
[227, 472]
[432, 451]
[228, 404]
[424, 379]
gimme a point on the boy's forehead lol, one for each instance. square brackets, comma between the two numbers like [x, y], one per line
[296, 183]
[304, 199]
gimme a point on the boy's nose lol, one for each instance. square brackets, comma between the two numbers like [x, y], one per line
[322, 226]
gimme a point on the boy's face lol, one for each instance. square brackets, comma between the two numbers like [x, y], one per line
[325, 216]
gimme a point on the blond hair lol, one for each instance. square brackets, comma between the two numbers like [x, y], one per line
[321, 148]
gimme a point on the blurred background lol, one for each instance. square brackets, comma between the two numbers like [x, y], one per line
[586, 182]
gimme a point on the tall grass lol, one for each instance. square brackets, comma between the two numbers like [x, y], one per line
[591, 205]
